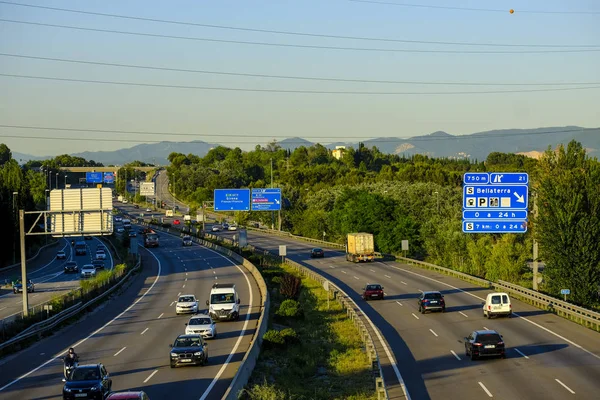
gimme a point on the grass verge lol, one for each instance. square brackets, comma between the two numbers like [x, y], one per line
[312, 353]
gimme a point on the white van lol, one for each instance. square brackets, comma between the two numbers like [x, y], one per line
[497, 304]
[224, 303]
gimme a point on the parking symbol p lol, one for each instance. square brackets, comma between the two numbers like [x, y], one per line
[482, 202]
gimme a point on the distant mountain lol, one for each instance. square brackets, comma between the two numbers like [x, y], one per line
[155, 153]
[293, 143]
[22, 158]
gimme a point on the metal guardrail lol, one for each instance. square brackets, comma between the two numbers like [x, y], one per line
[292, 236]
[65, 314]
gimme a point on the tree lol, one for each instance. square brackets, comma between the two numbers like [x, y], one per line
[5, 154]
[568, 223]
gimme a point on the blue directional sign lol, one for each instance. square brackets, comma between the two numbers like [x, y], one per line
[495, 202]
[565, 291]
[266, 199]
[232, 199]
[494, 226]
[93, 177]
[109, 177]
[495, 215]
[505, 197]
[509, 178]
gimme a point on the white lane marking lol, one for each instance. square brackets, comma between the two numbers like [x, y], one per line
[357, 278]
[463, 314]
[144, 331]
[216, 277]
[186, 274]
[3, 308]
[178, 294]
[404, 283]
[344, 272]
[486, 328]
[240, 337]
[215, 272]
[399, 303]
[35, 295]
[523, 355]
[387, 276]
[119, 352]
[413, 314]
[514, 313]
[372, 270]
[331, 266]
[160, 315]
[171, 305]
[485, 389]
[20, 301]
[565, 386]
[434, 334]
[185, 280]
[93, 333]
[151, 375]
[455, 355]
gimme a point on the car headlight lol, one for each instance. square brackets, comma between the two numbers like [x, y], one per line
[67, 390]
[96, 388]
[174, 354]
[198, 353]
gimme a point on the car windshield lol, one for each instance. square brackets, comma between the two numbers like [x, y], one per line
[88, 267]
[488, 338]
[187, 238]
[373, 287]
[200, 321]
[433, 296]
[85, 374]
[187, 342]
[186, 299]
[221, 298]
[151, 236]
[71, 263]
[317, 250]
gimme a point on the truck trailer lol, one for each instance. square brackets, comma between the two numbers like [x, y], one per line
[360, 247]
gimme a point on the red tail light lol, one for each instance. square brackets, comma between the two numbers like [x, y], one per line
[489, 308]
[477, 344]
[510, 306]
[500, 343]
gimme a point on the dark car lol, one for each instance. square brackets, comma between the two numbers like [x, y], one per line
[70, 266]
[186, 241]
[431, 301]
[373, 291]
[89, 382]
[98, 264]
[18, 287]
[61, 255]
[484, 343]
[188, 349]
[136, 206]
[132, 234]
[128, 396]
[317, 253]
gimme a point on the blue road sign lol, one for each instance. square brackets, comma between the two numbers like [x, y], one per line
[93, 177]
[494, 226]
[478, 178]
[495, 215]
[490, 197]
[266, 199]
[232, 199]
[109, 177]
[565, 291]
[509, 178]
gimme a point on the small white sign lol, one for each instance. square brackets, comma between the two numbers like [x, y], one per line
[282, 250]
[147, 189]
[405, 245]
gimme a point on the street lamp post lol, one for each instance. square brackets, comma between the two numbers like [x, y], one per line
[57, 180]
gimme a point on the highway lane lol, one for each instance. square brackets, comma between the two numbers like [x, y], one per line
[50, 279]
[543, 357]
[135, 345]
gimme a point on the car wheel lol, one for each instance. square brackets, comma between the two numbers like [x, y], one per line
[466, 351]
[172, 365]
[473, 357]
[444, 309]
[503, 356]
[489, 316]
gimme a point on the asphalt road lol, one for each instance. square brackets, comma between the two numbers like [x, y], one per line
[48, 275]
[548, 357]
[134, 344]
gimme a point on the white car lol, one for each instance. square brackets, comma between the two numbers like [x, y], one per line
[118, 219]
[216, 228]
[497, 304]
[125, 201]
[88, 271]
[201, 324]
[100, 255]
[233, 227]
[148, 210]
[186, 303]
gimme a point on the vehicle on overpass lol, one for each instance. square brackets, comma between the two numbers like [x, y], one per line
[90, 380]
[202, 324]
[484, 343]
[373, 291]
[151, 240]
[188, 350]
[18, 287]
[224, 303]
[360, 247]
[186, 303]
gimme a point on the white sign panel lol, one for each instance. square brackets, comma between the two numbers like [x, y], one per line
[405, 245]
[282, 250]
[147, 189]
[81, 211]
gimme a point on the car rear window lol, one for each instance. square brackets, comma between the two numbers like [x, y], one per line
[85, 374]
[496, 300]
[488, 338]
[433, 296]
[374, 287]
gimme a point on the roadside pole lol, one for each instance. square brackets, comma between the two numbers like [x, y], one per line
[23, 263]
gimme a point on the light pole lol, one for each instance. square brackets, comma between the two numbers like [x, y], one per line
[65, 181]
[57, 180]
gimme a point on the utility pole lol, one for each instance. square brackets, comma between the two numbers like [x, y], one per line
[23, 263]
[57, 180]
[15, 226]
[272, 212]
[535, 248]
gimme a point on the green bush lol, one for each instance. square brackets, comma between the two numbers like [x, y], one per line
[290, 286]
[276, 279]
[264, 392]
[273, 339]
[289, 335]
[289, 308]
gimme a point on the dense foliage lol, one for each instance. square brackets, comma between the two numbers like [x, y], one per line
[420, 199]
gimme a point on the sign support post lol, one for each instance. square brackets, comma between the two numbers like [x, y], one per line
[23, 263]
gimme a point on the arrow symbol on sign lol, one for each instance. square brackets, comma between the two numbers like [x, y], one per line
[520, 198]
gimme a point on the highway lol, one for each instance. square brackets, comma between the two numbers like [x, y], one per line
[131, 334]
[548, 357]
[48, 275]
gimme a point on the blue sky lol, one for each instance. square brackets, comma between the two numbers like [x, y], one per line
[323, 117]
